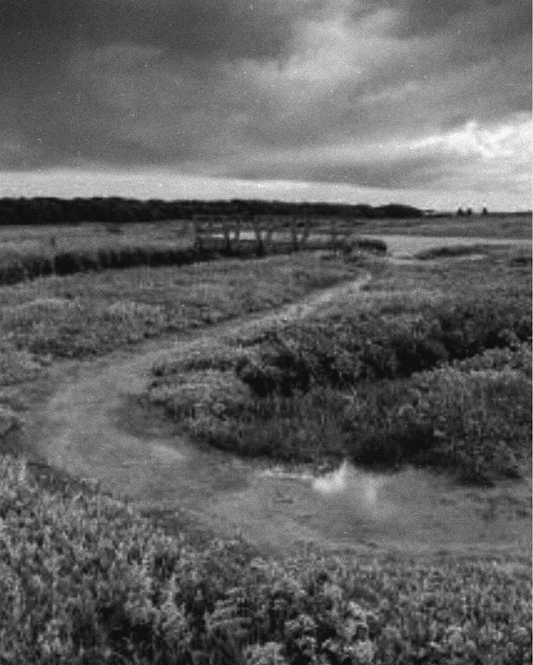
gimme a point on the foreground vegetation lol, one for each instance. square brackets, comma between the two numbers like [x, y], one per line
[85, 579]
[88, 314]
[416, 371]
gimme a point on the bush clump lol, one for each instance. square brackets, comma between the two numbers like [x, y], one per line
[478, 421]
[85, 580]
[30, 266]
[450, 251]
[343, 350]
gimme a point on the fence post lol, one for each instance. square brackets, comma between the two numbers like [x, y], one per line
[269, 223]
[294, 234]
[305, 233]
[260, 249]
[334, 234]
[237, 233]
[197, 233]
[226, 231]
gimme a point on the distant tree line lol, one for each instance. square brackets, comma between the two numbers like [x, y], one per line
[49, 210]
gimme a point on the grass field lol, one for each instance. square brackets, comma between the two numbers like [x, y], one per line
[394, 370]
[430, 363]
[27, 252]
[38, 239]
[503, 226]
[90, 314]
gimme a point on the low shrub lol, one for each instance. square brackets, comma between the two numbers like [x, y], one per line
[9, 419]
[374, 245]
[30, 266]
[450, 251]
[307, 428]
[474, 421]
[345, 349]
[473, 415]
[25, 266]
[85, 580]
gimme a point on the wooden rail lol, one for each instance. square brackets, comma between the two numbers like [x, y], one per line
[232, 232]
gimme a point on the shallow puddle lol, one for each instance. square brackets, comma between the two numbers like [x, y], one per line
[411, 511]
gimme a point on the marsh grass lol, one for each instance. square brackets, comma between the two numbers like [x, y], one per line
[403, 374]
[451, 251]
[89, 314]
[24, 267]
[477, 421]
[87, 580]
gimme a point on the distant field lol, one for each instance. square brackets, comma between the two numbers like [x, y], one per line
[62, 237]
[49, 238]
[503, 226]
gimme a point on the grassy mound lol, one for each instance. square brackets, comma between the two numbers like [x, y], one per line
[434, 378]
[86, 580]
[450, 251]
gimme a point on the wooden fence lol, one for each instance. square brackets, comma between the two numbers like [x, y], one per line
[264, 233]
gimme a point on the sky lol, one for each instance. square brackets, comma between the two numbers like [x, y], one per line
[372, 101]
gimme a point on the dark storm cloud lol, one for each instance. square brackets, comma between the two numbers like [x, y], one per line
[504, 21]
[466, 34]
[41, 30]
[60, 114]
[203, 85]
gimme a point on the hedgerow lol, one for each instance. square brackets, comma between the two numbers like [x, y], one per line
[29, 266]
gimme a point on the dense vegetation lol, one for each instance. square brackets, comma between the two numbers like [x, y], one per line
[88, 314]
[25, 266]
[438, 377]
[18, 268]
[115, 209]
[86, 580]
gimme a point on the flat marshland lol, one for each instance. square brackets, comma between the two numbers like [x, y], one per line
[362, 422]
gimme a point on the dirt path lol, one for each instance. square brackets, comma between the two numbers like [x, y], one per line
[93, 427]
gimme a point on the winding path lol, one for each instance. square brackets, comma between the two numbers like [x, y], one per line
[94, 427]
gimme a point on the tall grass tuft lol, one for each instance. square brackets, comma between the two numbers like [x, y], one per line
[30, 266]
